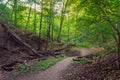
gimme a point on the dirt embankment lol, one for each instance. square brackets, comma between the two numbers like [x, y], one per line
[103, 69]
[16, 47]
[13, 51]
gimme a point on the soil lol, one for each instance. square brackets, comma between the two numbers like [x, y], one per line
[54, 72]
[63, 70]
[104, 69]
[12, 52]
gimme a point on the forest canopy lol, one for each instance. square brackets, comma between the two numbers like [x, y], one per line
[90, 22]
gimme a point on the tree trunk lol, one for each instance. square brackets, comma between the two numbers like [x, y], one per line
[15, 12]
[61, 20]
[35, 17]
[40, 28]
[119, 50]
[68, 29]
[59, 33]
[29, 14]
[52, 29]
[4, 8]
[48, 31]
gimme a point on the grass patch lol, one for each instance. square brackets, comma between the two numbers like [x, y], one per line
[84, 60]
[45, 64]
[22, 69]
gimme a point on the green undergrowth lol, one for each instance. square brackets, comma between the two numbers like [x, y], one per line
[45, 64]
[39, 65]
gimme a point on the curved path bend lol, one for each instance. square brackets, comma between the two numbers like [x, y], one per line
[52, 73]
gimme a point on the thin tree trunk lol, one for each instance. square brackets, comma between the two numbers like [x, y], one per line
[11, 17]
[52, 22]
[29, 14]
[50, 19]
[61, 21]
[119, 50]
[35, 17]
[76, 24]
[40, 28]
[48, 31]
[4, 7]
[15, 12]
[68, 30]
[59, 33]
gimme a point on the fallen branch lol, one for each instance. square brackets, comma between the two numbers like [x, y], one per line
[9, 66]
[17, 39]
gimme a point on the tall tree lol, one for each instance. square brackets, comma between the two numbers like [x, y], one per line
[61, 20]
[41, 20]
[15, 12]
[28, 19]
[35, 19]
[51, 19]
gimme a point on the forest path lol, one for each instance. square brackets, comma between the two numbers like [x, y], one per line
[54, 72]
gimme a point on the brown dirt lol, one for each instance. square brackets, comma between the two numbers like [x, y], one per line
[104, 69]
[11, 51]
[54, 72]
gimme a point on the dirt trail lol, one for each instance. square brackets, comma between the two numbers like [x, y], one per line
[52, 73]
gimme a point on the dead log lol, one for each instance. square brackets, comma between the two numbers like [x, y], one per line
[9, 66]
[63, 47]
[53, 51]
[3, 48]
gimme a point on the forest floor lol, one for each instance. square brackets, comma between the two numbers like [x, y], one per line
[52, 73]
[55, 72]
[64, 70]
[102, 69]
